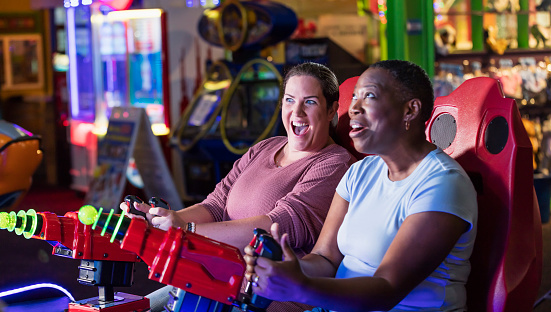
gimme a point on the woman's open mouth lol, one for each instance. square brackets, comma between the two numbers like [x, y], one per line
[299, 128]
[356, 129]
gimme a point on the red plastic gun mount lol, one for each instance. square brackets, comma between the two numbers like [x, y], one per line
[192, 262]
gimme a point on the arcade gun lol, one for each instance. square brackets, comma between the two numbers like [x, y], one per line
[207, 274]
[102, 263]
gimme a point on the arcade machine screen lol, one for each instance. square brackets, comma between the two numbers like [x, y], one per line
[114, 68]
[205, 108]
[134, 70]
[201, 118]
[146, 68]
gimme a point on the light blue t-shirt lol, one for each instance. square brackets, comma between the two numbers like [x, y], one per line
[377, 208]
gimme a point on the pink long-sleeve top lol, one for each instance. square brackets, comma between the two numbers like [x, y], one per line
[296, 196]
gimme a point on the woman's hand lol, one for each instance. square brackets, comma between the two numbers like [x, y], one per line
[164, 218]
[156, 216]
[276, 280]
[250, 254]
[140, 207]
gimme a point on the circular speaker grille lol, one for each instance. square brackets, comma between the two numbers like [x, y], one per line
[497, 134]
[443, 130]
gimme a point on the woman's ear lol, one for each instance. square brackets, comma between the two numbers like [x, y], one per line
[332, 111]
[412, 109]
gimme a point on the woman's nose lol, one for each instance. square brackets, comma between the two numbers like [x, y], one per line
[354, 108]
[298, 109]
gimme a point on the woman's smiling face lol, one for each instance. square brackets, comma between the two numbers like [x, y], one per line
[376, 112]
[305, 115]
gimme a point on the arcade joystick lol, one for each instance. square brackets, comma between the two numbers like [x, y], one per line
[159, 202]
[130, 200]
[265, 246]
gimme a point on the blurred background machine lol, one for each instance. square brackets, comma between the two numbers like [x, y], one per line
[116, 58]
[21, 154]
[237, 105]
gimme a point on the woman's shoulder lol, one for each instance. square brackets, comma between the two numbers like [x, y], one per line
[445, 163]
[445, 170]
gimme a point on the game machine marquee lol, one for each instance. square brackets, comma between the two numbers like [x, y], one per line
[237, 104]
[116, 59]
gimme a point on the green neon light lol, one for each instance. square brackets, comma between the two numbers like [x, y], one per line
[13, 221]
[107, 222]
[87, 214]
[97, 218]
[23, 217]
[117, 227]
[4, 220]
[31, 214]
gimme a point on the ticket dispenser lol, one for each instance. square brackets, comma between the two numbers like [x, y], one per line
[483, 131]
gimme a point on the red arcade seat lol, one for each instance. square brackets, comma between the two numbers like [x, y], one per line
[483, 131]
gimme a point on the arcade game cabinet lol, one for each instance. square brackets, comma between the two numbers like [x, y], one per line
[237, 105]
[21, 154]
[116, 58]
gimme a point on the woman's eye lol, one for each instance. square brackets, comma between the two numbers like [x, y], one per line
[354, 97]
[288, 100]
[311, 102]
[369, 95]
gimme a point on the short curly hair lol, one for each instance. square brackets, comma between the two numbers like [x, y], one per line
[414, 83]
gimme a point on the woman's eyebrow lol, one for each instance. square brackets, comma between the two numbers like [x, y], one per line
[369, 85]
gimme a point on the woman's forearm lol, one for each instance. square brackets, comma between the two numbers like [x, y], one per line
[237, 233]
[317, 265]
[196, 213]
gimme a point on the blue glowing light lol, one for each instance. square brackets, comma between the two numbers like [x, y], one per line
[37, 286]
